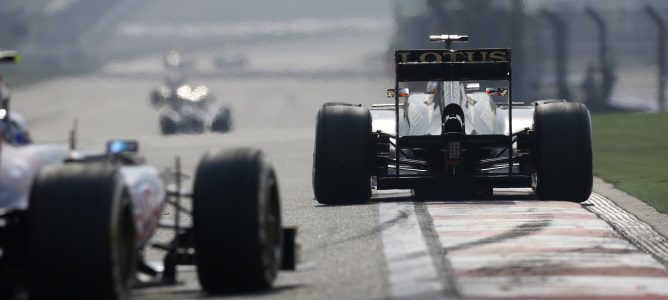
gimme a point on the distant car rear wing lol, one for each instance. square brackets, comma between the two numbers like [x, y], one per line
[453, 65]
[9, 56]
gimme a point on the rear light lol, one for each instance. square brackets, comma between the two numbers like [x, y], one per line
[454, 150]
[454, 155]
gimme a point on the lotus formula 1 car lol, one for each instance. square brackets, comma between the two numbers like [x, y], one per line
[189, 109]
[460, 138]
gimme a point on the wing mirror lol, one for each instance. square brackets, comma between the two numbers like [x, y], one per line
[115, 147]
[403, 92]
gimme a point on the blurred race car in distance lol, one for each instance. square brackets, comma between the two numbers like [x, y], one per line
[453, 141]
[185, 108]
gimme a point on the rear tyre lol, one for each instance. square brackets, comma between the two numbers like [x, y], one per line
[222, 122]
[156, 98]
[342, 155]
[81, 234]
[167, 125]
[237, 222]
[8, 287]
[563, 151]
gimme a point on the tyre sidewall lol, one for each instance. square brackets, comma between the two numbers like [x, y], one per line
[563, 161]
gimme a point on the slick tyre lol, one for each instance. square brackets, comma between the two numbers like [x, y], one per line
[237, 222]
[167, 125]
[81, 234]
[222, 122]
[156, 99]
[342, 154]
[563, 151]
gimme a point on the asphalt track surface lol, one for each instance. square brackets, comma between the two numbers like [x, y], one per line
[512, 247]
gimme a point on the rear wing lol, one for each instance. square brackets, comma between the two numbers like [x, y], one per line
[453, 65]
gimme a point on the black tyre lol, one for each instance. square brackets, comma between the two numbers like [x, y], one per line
[563, 151]
[167, 125]
[342, 154]
[156, 98]
[81, 234]
[222, 122]
[9, 285]
[236, 221]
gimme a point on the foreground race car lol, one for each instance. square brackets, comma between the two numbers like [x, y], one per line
[189, 109]
[75, 225]
[457, 140]
[80, 229]
[20, 162]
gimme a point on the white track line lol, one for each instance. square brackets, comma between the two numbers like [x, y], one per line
[412, 274]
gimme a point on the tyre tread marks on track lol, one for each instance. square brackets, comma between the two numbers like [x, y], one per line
[544, 249]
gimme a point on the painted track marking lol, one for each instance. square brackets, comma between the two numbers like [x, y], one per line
[412, 273]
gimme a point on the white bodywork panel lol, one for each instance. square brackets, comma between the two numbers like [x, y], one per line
[18, 168]
[421, 115]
